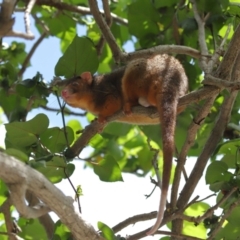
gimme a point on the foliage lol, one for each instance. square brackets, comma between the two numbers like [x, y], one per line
[120, 147]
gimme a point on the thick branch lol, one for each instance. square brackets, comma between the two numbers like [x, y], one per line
[45, 220]
[6, 20]
[170, 49]
[14, 171]
[18, 191]
[225, 69]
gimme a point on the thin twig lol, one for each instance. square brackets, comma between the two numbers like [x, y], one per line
[108, 19]
[41, 23]
[201, 36]
[28, 10]
[219, 50]
[210, 211]
[75, 191]
[63, 119]
[65, 111]
[214, 81]
[79, 9]
[10, 226]
[223, 219]
[30, 54]
[116, 51]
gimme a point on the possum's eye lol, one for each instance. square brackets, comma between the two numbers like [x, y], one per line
[75, 84]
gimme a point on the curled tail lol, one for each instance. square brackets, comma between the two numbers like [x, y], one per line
[167, 108]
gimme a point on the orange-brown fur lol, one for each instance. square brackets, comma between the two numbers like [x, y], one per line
[158, 81]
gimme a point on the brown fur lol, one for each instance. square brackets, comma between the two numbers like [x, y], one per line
[158, 81]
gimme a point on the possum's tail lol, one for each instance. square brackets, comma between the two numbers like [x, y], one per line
[167, 107]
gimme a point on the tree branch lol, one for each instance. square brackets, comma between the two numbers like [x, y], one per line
[78, 9]
[45, 220]
[12, 229]
[108, 19]
[116, 51]
[18, 192]
[126, 57]
[14, 172]
[190, 139]
[223, 219]
[6, 20]
[26, 16]
[31, 52]
[201, 37]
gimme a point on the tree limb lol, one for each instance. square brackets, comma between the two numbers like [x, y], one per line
[14, 172]
[6, 20]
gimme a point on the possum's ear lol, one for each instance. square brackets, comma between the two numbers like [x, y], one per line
[87, 77]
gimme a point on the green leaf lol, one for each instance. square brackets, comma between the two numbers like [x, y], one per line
[61, 24]
[11, 103]
[26, 88]
[189, 228]
[34, 86]
[4, 192]
[142, 19]
[106, 231]
[61, 232]
[8, 70]
[217, 186]
[230, 152]
[98, 142]
[56, 169]
[75, 126]
[117, 129]
[69, 169]
[114, 149]
[108, 170]
[17, 154]
[55, 140]
[216, 172]
[32, 229]
[53, 174]
[169, 3]
[153, 132]
[24, 134]
[80, 56]
[197, 209]
[230, 230]
[144, 157]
